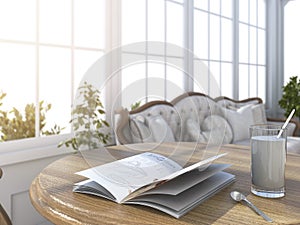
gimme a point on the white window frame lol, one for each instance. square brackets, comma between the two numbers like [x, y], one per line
[38, 147]
[189, 44]
[275, 75]
[30, 149]
[164, 55]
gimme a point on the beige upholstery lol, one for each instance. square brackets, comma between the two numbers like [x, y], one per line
[195, 106]
[4, 219]
[194, 117]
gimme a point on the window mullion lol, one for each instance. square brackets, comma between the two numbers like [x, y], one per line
[72, 54]
[146, 52]
[220, 56]
[208, 47]
[188, 82]
[165, 50]
[37, 81]
[256, 36]
[235, 45]
[249, 49]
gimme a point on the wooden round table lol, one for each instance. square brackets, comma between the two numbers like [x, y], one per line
[51, 194]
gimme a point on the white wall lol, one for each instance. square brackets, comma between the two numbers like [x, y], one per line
[21, 161]
[14, 194]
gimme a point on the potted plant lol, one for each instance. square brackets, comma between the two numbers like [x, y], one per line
[135, 105]
[87, 120]
[291, 97]
[17, 124]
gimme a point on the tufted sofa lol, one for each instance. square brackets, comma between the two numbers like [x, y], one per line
[195, 117]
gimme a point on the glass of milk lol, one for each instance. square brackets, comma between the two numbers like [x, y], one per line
[268, 157]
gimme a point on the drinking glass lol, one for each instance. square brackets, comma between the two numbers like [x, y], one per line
[268, 157]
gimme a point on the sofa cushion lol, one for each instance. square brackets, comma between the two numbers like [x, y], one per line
[122, 127]
[293, 144]
[240, 120]
[218, 128]
[139, 131]
[243, 142]
[160, 130]
[259, 114]
[214, 130]
[193, 131]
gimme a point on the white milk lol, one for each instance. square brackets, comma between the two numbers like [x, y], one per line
[268, 158]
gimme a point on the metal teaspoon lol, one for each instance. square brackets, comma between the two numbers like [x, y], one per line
[237, 196]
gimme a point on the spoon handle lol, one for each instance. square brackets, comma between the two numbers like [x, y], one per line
[258, 211]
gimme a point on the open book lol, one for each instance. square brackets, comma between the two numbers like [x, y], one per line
[153, 180]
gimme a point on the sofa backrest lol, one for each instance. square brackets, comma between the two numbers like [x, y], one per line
[236, 104]
[178, 120]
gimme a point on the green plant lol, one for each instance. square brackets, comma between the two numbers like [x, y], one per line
[135, 105]
[14, 125]
[291, 97]
[87, 120]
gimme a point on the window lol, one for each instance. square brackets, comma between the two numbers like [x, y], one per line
[151, 76]
[252, 48]
[213, 45]
[228, 37]
[46, 46]
[291, 40]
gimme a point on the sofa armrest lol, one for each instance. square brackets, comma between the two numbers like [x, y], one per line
[292, 127]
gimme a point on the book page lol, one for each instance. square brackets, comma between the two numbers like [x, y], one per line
[187, 180]
[178, 205]
[93, 188]
[124, 176]
[202, 165]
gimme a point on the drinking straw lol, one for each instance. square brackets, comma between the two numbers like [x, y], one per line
[286, 123]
